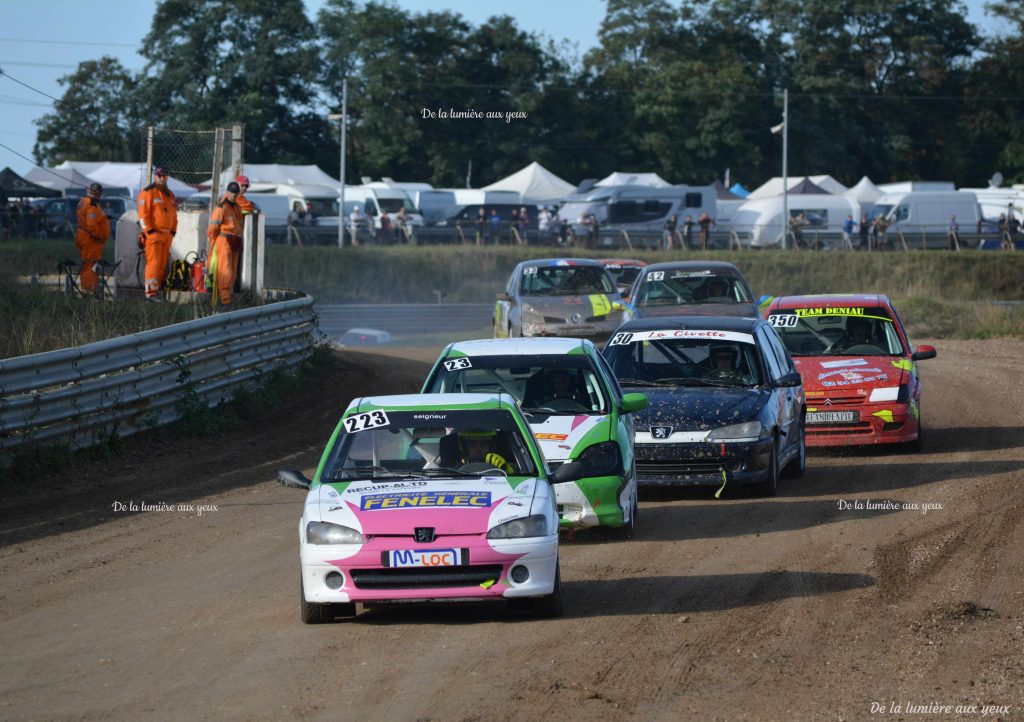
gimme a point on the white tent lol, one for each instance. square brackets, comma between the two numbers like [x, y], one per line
[280, 174]
[535, 184]
[617, 178]
[124, 175]
[59, 179]
[865, 193]
[774, 186]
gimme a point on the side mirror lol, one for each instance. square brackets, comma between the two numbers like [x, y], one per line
[790, 380]
[571, 471]
[924, 352]
[293, 478]
[633, 402]
[502, 296]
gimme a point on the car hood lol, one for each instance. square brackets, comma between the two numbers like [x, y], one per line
[855, 375]
[594, 305]
[742, 310]
[450, 506]
[690, 408]
[564, 437]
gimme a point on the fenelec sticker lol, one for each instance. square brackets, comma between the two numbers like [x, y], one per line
[783, 320]
[625, 338]
[426, 499]
[363, 422]
[458, 363]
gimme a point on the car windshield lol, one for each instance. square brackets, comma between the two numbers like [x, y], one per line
[546, 384]
[394, 205]
[624, 276]
[670, 358]
[681, 288]
[324, 206]
[384, 444]
[835, 331]
[565, 281]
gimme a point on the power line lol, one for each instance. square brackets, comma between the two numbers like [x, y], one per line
[36, 65]
[68, 42]
[43, 168]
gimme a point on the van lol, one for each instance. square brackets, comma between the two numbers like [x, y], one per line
[638, 207]
[927, 212]
[480, 197]
[273, 206]
[434, 203]
[378, 198]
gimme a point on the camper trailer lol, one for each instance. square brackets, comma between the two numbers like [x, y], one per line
[758, 223]
[640, 208]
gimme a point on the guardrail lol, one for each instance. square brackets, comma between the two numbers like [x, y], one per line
[79, 396]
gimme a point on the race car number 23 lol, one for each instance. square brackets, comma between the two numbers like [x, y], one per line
[783, 320]
[369, 420]
[458, 363]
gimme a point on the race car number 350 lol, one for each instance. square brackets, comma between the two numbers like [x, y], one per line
[425, 558]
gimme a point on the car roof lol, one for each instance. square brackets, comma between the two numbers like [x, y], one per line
[520, 346]
[622, 262]
[831, 299]
[434, 402]
[561, 262]
[695, 266]
[718, 323]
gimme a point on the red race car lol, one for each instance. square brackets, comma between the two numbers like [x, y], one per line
[624, 272]
[858, 366]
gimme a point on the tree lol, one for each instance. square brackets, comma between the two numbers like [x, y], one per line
[96, 118]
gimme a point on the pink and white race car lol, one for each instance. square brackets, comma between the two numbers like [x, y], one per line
[426, 498]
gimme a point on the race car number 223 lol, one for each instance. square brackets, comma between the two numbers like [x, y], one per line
[369, 420]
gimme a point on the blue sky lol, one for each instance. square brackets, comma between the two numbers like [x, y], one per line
[39, 43]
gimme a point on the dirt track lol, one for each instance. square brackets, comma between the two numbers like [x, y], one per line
[782, 609]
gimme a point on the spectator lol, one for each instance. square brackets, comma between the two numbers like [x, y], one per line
[481, 225]
[593, 230]
[865, 226]
[402, 222]
[880, 226]
[705, 224]
[543, 224]
[357, 222]
[90, 236]
[309, 218]
[495, 225]
[670, 232]
[954, 233]
[1012, 226]
[796, 226]
[385, 234]
[158, 216]
[524, 221]
[513, 223]
[294, 220]
[688, 232]
[848, 226]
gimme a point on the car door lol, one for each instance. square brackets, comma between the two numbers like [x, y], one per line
[625, 427]
[791, 398]
[503, 308]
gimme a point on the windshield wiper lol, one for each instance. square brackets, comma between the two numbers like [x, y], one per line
[377, 472]
[449, 471]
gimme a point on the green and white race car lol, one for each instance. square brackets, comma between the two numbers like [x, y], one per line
[575, 408]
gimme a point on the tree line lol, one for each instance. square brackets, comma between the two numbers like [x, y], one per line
[894, 89]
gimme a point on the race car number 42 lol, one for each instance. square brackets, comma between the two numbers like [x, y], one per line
[425, 558]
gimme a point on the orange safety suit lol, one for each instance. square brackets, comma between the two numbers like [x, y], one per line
[93, 231]
[225, 234]
[158, 216]
[245, 205]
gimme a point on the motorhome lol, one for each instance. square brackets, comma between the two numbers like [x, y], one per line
[434, 203]
[927, 212]
[480, 197]
[992, 201]
[758, 222]
[638, 207]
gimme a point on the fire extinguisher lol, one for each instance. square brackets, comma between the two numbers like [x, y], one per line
[199, 274]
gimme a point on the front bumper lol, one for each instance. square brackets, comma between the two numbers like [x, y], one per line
[594, 501]
[597, 330]
[702, 463]
[886, 423]
[366, 578]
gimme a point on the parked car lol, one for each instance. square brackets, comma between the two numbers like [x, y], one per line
[678, 288]
[858, 366]
[575, 408]
[431, 497]
[558, 297]
[59, 216]
[624, 272]
[726, 404]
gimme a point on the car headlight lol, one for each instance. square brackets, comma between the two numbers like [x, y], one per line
[747, 431]
[900, 394]
[531, 316]
[536, 525]
[601, 459]
[322, 532]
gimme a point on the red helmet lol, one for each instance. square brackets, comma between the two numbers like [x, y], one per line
[242, 180]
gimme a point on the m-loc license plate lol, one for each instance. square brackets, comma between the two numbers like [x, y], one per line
[833, 417]
[425, 558]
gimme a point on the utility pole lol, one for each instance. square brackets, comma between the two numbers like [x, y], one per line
[785, 167]
[341, 117]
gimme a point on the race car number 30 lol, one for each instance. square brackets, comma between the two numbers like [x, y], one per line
[369, 420]
[425, 558]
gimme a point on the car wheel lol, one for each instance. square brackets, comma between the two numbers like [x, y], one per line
[798, 465]
[770, 486]
[313, 613]
[550, 606]
[628, 529]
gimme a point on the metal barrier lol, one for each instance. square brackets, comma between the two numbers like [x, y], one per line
[79, 396]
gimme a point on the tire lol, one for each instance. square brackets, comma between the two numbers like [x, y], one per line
[770, 486]
[313, 613]
[628, 529]
[550, 606]
[798, 465]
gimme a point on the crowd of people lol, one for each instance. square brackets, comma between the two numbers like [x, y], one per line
[22, 218]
